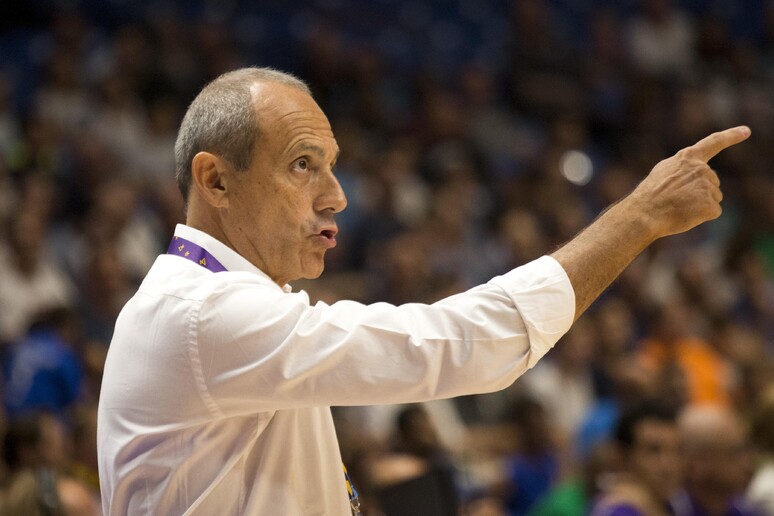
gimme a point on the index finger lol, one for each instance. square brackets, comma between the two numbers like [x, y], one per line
[709, 147]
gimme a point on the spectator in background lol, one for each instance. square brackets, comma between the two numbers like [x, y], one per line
[118, 218]
[120, 122]
[689, 370]
[563, 384]
[521, 236]
[760, 492]
[417, 436]
[413, 475]
[718, 463]
[631, 384]
[30, 280]
[42, 370]
[535, 469]
[649, 443]
[661, 40]
[157, 157]
[616, 329]
[9, 127]
[63, 101]
[104, 286]
[83, 465]
[7, 191]
[540, 61]
[574, 496]
[44, 492]
[36, 440]
[752, 269]
[38, 451]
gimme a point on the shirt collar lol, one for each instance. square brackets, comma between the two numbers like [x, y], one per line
[230, 259]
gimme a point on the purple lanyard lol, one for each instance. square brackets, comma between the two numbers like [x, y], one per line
[186, 249]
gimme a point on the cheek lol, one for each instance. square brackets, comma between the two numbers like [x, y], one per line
[280, 211]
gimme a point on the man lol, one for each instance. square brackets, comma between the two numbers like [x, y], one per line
[649, 445]
[718, 462]
[759, 493]
[219, 379]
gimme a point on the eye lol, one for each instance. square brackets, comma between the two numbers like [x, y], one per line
[301, 164]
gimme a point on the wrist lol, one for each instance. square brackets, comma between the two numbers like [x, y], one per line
[639, 219]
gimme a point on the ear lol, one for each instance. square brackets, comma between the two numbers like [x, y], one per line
[210, 176]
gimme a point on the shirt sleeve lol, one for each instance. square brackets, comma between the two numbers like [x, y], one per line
[260, 349]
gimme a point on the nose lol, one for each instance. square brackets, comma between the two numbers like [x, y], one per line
[332, 196]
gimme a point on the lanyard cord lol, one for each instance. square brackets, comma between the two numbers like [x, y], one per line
[354, 500]
[186, 249]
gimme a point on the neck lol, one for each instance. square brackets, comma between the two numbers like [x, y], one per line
[215, 222]
[210, 225]
[209, 221]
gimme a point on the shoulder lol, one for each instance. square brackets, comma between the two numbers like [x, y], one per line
[176, 277]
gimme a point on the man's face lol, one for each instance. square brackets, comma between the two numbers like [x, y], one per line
[280, 212]
[720, 462]
[655, 457]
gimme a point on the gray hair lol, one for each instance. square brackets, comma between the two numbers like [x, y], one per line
[222, 119]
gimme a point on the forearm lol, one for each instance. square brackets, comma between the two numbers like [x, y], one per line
[596, 256]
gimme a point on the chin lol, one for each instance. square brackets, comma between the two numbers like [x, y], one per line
[313, 272]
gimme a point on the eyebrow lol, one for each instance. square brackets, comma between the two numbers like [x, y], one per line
[315, 149]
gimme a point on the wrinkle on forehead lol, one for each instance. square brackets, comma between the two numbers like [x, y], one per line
[311, 127]
[308, 138]
[304, 145]
[295, 115]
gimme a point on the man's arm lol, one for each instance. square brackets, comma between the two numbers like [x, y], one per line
[680, 193]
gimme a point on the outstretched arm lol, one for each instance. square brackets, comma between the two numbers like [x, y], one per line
[680, 193]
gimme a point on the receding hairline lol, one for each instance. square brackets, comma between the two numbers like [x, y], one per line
[254, 79]
[260, 91]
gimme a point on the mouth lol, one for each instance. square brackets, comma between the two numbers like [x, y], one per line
[328, 237]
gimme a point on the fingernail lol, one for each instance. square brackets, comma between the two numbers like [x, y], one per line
[745, 130]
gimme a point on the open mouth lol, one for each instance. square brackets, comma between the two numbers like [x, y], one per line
[328, 237]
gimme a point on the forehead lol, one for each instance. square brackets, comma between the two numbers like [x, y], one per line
[289, 118]
[654, 430]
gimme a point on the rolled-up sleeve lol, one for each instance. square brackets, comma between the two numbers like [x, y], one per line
[261, 349]
[544, 297]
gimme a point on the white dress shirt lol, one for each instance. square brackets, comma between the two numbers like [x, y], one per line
[217, 386]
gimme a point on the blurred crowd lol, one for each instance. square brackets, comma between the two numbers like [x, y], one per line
[475, 136]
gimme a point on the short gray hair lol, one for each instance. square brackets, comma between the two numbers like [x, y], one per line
[222, 119]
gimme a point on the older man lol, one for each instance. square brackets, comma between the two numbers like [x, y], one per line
[219, 379]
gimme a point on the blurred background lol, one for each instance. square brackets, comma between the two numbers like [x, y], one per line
[476, 135]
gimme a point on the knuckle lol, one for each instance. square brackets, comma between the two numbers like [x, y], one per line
[684, 161]
[704, 171]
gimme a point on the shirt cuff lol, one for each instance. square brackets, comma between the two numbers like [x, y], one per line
[545, 299]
